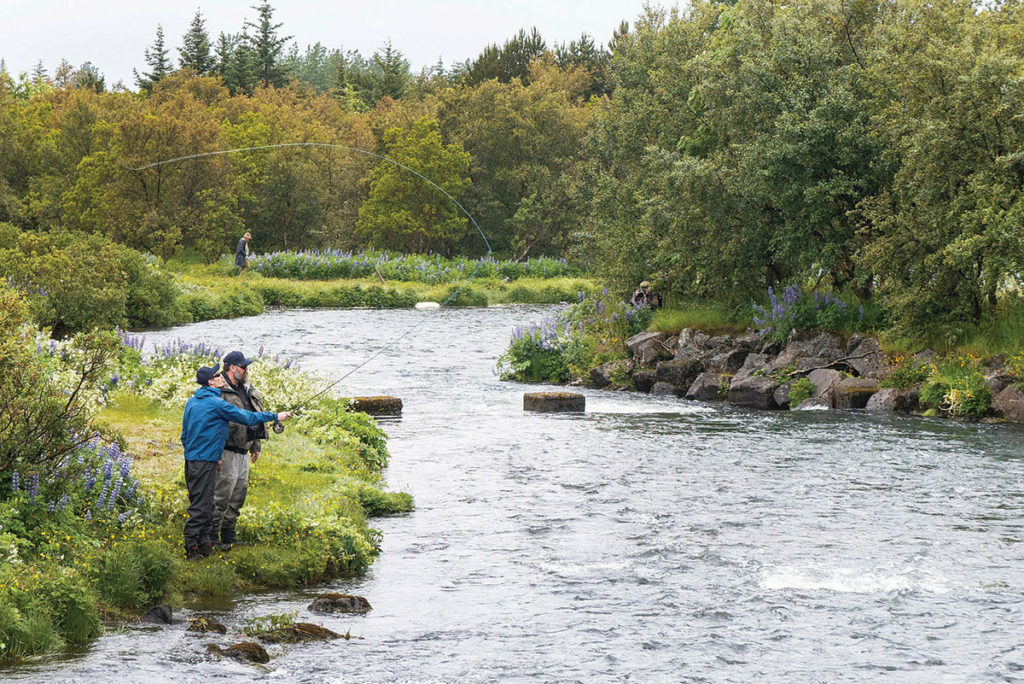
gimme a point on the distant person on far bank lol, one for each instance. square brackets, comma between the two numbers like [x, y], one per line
[645, 296]
[242, 252]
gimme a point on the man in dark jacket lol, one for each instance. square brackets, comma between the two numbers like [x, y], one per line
[242, 448]
[242, 252]
[204, 430]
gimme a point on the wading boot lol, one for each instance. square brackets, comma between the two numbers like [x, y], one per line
[193, 553]
[228, 538]
[206, 549]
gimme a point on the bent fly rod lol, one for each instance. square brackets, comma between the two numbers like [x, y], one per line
[278, 426]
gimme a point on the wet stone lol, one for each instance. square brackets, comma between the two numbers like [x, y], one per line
[243, 652]
[339, 603]
[554, 402]
[161, 614]
[377, 406]
[205, 625]
[298, 632]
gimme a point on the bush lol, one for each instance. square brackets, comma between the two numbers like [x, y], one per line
[799, 310]
[907, 372]
[801, 390]
[957, 386]
[75, 282]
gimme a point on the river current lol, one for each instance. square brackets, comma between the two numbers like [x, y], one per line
[649, 539]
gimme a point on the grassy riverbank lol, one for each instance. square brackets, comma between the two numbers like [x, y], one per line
[96, 536]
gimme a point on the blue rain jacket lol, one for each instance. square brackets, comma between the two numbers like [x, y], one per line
[204, 429]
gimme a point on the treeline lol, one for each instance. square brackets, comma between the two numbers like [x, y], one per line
[869, 149]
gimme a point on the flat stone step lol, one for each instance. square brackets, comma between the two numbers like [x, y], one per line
[552, 402]
[377, 406]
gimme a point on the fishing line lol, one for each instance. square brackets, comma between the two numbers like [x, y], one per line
[339, 146]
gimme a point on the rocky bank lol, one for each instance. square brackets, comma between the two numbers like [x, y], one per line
[750, 371]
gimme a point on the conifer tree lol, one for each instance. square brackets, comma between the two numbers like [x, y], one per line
[195, 49]
[156, 59]
[266, 47]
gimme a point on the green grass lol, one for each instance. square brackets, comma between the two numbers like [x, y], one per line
[705, 316]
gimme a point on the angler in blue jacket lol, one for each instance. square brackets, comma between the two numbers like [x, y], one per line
[204, 431]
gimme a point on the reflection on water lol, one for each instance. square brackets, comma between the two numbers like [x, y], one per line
[650, 537]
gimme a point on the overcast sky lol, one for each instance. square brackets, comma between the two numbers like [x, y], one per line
[114, 34]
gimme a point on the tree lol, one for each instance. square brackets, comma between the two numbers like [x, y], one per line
[195, 49]
[386, 75]
[403, 212]
[156, 59]
[511, 60]
[266, 47]
[89, 76]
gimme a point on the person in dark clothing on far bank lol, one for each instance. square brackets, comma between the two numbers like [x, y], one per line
[242, 448]
[242, 252]
[645, 296]
[204, 430]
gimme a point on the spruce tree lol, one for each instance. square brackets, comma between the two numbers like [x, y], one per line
[266, 47]
[195, 49]
[156, 59]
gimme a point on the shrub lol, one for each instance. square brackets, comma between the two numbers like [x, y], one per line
[957, 386]
[799, 310]
[907, 372]
[75, 282]
[73, 610]
[801, 390]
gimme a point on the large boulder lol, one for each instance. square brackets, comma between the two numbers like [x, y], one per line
[753, 391]
[648, 347]
[821, 346]
[692, 339]
[864, 354]
[662, 389]
[729, 361]
[644, 380]
[749, 342]
[752, 364]
[824, 379]
[607, 373]
[998, 380]
[707, 387]
[892, 400]
[1010, 404]
[781, 395]
[680, 373]
[852, 393]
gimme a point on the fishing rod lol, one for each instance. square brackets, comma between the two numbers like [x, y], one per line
[279, 426]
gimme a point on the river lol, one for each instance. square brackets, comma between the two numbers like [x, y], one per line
[649, 539]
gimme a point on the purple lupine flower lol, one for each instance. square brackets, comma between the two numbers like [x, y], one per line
[33, 486]
[15, 480]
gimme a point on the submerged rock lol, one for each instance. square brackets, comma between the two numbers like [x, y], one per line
[554, 402]
[244, 652]
[204, 625]
[161, 614]
[298, 632]
[377, 406]
[339, 603]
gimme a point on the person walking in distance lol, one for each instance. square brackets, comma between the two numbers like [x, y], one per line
[242, 252]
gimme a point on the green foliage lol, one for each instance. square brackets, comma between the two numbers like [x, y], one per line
[906, 372]
[329, 421]
[136, 574]
[404, 213]
[533, 358]
[702, 316]
[799, 310]
[76, 282]
[957, 387]
[801, 390]
[261, 624]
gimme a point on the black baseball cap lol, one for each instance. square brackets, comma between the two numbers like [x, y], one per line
[236, 358]
[205, 374]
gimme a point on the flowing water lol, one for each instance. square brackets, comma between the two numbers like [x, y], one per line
[649, 539]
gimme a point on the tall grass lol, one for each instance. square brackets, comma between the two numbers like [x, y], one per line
[705, 316]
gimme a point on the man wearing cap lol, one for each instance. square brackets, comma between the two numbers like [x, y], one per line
[645, 297]
[242, 448]
[204, 430]
[242, 252]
